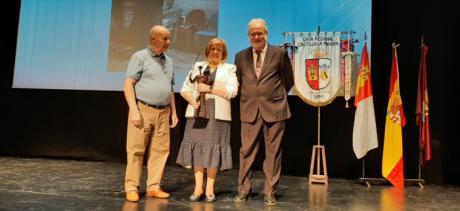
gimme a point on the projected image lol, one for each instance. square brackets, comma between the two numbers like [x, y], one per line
[86, 44]
[192, 24]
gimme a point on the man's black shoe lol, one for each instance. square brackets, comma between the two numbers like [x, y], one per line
[241, 197]
[270, 200]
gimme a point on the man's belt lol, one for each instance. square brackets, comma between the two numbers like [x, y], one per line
[153, 106]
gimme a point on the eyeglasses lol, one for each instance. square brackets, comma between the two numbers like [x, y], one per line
[259, 34]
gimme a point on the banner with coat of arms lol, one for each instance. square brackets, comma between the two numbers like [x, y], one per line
[317, 66]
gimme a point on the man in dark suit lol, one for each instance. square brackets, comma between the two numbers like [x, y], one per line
[265, 76]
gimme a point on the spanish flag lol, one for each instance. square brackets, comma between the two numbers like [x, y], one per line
[392, 161]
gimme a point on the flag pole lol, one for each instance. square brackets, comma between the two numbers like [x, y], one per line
[420, 152]
[319, 126]
[363, 169]
[321, 156]
[419, 140]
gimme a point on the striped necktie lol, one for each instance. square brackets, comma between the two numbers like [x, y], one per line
[258, 63]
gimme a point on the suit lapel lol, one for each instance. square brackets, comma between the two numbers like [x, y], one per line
[250, 59]
[267, 59]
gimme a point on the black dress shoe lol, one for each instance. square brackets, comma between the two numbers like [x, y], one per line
[195, 198]
[241, 197]
[270, 200]
[210, 198]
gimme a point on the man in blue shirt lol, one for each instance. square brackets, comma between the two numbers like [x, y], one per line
[150, 96]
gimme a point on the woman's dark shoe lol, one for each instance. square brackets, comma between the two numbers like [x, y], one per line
[210, 198]
[195, 198]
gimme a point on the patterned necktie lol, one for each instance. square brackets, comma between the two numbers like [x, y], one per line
[258, 63]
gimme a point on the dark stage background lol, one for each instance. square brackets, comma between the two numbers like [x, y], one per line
[91, 125]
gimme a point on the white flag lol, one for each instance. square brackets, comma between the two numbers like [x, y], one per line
[364, 128]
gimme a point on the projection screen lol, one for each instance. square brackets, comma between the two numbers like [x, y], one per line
[86, 44]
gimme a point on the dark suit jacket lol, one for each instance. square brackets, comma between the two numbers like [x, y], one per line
[268, 93]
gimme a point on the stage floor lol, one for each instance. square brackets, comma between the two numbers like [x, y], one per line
[50, 184]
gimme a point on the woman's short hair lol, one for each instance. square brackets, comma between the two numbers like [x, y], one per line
[219, 42]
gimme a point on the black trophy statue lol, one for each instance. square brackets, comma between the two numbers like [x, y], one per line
[201, 78]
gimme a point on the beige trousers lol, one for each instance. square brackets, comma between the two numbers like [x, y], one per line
[153, 137]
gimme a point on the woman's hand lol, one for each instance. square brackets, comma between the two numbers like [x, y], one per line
[195, 104]
[204, 88]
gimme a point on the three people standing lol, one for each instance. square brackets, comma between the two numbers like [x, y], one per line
[263, 76]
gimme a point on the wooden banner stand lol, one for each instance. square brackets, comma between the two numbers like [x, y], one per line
[320, 157]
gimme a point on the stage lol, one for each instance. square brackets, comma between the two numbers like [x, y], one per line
[52, 184]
